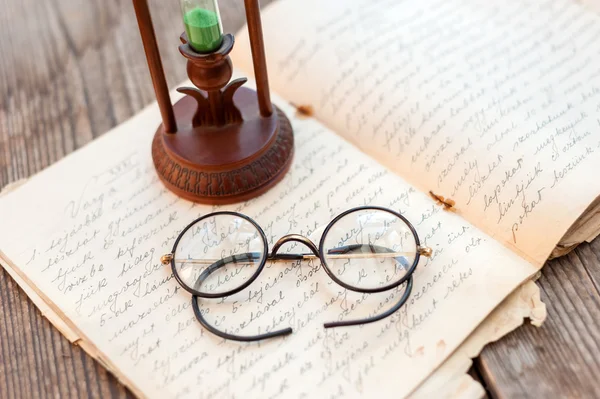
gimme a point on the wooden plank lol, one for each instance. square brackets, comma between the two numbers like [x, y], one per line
[38, 362]
[562, 358]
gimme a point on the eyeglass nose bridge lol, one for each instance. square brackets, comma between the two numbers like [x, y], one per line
[294, 238]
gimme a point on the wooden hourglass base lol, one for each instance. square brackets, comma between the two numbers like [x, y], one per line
[225, 164]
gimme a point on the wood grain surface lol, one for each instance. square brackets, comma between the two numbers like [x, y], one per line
[72, 69]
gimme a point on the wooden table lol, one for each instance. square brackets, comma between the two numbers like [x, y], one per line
[72, 69]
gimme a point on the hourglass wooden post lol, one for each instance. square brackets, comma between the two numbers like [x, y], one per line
[222, 143]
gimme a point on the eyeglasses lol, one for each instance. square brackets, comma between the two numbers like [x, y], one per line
[367, 249]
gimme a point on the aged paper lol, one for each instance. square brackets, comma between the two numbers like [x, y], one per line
[493, 104]
[91, 251]
[450, 380]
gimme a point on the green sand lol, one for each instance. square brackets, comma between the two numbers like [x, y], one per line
[203, 30]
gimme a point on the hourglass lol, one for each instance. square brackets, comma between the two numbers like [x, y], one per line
[222, 143]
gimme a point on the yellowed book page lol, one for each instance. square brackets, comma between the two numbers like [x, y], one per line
[493, 104]
[450, 380]
[88, 232]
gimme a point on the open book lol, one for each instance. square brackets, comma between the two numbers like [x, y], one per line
[485, 103]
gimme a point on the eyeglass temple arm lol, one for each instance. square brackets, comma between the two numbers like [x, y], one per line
[336, 252]
[256, 255]
[286, 331]
[377, 249]
[353, 247]
[195, 299]
[389, 312]
[233, 337]
[372, 319]
[222, 262]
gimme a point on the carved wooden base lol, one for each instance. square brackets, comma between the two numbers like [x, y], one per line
[224, 164]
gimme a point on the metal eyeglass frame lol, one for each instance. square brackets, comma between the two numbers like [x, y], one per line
[273, 256]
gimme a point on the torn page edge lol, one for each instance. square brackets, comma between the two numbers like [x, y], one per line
[585, 229]
[451, 380]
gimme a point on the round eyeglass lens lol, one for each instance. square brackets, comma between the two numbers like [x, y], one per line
[219, 253]
[369, 249]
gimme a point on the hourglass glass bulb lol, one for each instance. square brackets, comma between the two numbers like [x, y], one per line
[203, 25]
